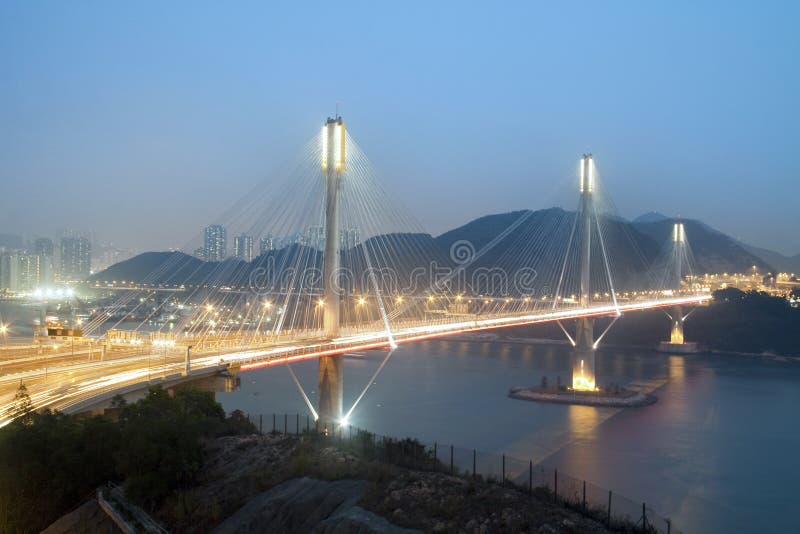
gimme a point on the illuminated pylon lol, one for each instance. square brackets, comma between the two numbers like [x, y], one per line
[678, 244]
[583, 377]
[330, 367]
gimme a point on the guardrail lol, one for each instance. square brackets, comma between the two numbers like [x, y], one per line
[612, 509]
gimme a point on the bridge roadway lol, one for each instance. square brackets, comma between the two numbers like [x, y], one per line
[68, 383]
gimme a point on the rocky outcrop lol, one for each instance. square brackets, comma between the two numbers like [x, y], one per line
[88, 517]
[437, 502]
[309, 505]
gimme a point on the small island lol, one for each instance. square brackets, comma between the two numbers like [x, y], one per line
[612, 396]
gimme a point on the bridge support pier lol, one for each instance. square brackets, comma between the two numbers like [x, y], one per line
[676, 332]
[330, 367]
[331, 389]
[583, 377]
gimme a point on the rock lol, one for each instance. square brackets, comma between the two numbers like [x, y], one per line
[309, 505]
[88, 517]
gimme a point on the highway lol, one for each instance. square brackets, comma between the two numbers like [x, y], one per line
[62, 380]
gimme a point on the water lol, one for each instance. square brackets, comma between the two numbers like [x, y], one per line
[719, 452]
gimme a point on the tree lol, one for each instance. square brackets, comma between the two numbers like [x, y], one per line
[22, 407]
[118, 402]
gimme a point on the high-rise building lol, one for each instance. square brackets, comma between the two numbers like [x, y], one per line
[243, 247]
[266, 244]
[76, 258]
[43, 246]
[349, 239]
[316, 237]
[20, 271]
[8, 271]
[107, 255]
[216, 243]
[43, 250]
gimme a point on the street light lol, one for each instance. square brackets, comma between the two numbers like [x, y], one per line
[4, 331]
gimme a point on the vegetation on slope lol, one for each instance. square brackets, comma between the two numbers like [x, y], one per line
[50, 462]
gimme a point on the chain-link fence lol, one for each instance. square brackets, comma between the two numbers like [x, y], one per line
[614, 510]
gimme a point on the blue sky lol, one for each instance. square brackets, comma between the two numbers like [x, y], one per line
[144, 120]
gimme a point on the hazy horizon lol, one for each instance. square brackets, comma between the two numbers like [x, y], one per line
[145, 122]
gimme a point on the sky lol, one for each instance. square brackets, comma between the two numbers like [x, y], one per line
[143, 121]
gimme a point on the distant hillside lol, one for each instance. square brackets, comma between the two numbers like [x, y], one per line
[783, 264]
[651, 217]
[714, 252]
[512, 241]
[274, 269]
[538, 240]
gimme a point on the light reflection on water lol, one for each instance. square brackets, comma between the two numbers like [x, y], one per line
[716, 453]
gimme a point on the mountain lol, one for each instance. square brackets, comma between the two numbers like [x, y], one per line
[713, 251]
[536, 241]
[783, 264]
[650, 217]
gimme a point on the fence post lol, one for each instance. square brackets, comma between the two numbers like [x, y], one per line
[669, 526]
[435, 455]
[297, 425]
[350, 429]
[504, 469]
[530, 478]
[307, 424]
[474, 462]
[555, 486]
[584, 496]
[273, 423]
[451, 459]
[261, 423]
[644, 517]
[285, 423]
[608, 515]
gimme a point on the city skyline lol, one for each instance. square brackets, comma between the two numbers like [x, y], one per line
[679, 109]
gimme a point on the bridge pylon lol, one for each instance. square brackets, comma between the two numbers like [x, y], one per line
[583, 358]
[676, 342]
[678, 242]
[330, 367]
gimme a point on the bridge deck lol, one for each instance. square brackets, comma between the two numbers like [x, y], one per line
[71, 385]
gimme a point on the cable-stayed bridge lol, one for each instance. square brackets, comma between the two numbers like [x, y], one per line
[356, 272]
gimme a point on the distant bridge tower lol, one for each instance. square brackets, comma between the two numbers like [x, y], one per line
[676, 342]
[583, 377]
[330, 367]
[678, 252]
